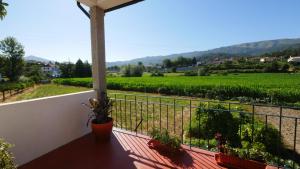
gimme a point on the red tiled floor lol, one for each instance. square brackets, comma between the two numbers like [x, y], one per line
[124, 151]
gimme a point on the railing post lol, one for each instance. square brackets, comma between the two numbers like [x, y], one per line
[125, 107]
[3, 96]
[199, 127]
[181, 124]
[121, 114]
[266, 121]
[253, 112]
[174, 115]
[153, 115]
[136, 119]
[295, 139]
[116, 111]
[160, 114]
[147, 114]
[130, 116]
[280, 120]
[167, 117]
[240, 125]
[142, 117]
[279, 140]
[190, 122]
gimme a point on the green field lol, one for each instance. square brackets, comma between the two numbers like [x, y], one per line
[271, 87]
[50, 90]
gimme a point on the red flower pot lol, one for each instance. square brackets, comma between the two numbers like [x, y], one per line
[238, 163]
[102, 132]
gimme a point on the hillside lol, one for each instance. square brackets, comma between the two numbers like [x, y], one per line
[37, 59]
[248, 49]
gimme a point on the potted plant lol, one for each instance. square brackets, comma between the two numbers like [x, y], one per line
[164, 143]
[248, 157]
[6, 157]
[101, 123]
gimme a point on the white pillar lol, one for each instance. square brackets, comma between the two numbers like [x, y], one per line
[98, 50]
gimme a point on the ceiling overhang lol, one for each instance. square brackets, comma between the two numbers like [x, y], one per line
[109, 5]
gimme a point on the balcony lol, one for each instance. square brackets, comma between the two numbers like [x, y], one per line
[125, 150]
[51, 132]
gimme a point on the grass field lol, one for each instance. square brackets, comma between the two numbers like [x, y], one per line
[272, 87]
[49, 90]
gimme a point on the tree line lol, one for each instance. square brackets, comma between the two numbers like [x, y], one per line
[179, 62]
[79, 69]
[14, 68]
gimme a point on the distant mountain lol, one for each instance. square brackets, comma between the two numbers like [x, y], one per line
[36, 59]
[244, 49]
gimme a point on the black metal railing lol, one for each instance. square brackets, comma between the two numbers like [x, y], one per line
[141, 113]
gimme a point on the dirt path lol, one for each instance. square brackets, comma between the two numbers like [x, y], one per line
[288, 125]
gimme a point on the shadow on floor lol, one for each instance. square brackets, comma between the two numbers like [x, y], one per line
[123, 151]
[85, 153]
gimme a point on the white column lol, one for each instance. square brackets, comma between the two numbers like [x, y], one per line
[98, 50]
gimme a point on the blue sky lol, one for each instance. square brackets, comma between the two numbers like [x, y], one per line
[58, 30]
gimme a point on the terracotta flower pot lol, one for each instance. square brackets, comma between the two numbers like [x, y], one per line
[238, 163]
[102, 132]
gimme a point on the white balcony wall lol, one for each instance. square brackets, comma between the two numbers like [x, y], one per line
[39, 126]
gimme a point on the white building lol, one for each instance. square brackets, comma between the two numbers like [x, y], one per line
[295, 59]
[51, 69]
[199, 63]
[267, 59]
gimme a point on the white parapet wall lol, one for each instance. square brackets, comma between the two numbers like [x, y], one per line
[39, 126]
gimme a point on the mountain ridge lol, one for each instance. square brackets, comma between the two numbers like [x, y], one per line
[37, 59]
[249, 49]
[242, 49]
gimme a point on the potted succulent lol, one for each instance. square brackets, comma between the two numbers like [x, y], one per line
[246, 158]
[164, 143]
[101, 123]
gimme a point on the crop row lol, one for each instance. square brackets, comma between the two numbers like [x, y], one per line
[264, 87]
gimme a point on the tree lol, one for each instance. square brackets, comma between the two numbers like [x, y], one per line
[285, 67]
[34, 72]
[13, 52]
[114, 68]
[79, 69]
[227, 64]
[141, 66]
[132, 71]
[203, 71]
[167, 63]
[126, 71]
[194, 61]
[3, 10]
[2, 64]
[67, 69]
[272, 68]
[136, 71]
[87, 69]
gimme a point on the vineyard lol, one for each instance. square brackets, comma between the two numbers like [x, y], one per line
[275, 88]
[13, 88]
